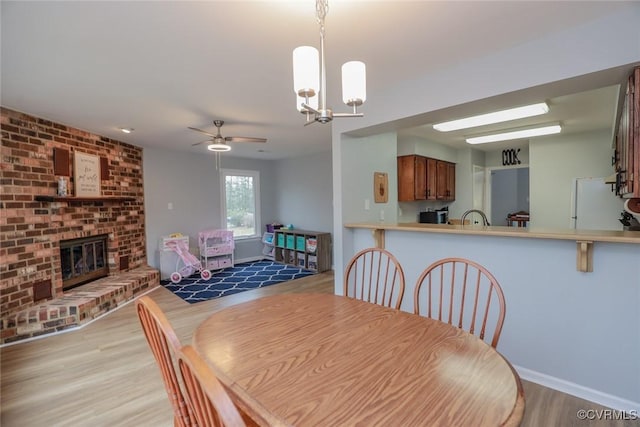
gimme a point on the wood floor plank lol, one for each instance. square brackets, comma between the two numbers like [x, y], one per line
[104, 374]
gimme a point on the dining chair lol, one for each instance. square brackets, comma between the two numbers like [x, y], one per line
[209, 401]
[462, 293]
[375, 275]
[165, 347]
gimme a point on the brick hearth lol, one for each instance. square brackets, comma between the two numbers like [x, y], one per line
[80, 305]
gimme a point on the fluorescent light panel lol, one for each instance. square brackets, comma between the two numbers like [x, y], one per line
[497, 117]
[516, 134]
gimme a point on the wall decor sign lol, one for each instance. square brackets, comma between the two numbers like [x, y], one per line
[86, 174]
[380, 187]
[510, 157]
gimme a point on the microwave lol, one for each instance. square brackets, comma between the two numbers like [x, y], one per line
[434, 217]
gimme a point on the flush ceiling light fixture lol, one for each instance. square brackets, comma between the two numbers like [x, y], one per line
[309, 79]
[126, 130]
[548, 129]
[497, 117]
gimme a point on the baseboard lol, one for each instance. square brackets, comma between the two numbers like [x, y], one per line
[604, 399]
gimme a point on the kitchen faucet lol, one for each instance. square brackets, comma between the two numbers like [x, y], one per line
[485, 221]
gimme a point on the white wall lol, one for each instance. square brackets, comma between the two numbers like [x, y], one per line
[192, 184]
[305, 195]
[555, 162]
[365, 156]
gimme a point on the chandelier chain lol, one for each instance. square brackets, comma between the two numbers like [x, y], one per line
[322, 7]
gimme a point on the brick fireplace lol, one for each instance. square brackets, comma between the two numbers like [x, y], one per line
[34, 221]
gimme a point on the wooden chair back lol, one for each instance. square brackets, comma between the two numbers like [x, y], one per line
[165, 347]
[375, 275]
[209, 401]
[462, 293]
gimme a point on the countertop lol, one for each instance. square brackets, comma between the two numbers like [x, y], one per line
[520, 232]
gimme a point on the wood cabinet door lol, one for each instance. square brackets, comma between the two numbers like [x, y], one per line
[451, 181]
[420, 178]
[412, 178]
[405, 178]
[445, 180]
[634, 137]
[627, 157]
[432, 180]
[441, 180]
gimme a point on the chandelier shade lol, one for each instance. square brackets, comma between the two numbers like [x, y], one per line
[306, 63]
[354, 83]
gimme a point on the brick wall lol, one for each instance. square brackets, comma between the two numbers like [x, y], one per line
[30, 231]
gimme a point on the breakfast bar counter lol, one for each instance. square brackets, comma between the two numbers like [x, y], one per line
[522, 232]
[584, 238]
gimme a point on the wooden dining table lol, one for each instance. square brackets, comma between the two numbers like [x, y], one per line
[329, 360]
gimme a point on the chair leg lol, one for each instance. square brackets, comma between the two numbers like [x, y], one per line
[177, 422]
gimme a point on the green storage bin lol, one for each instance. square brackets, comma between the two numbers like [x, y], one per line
[300, 243]
[280, 242]
[291, 241]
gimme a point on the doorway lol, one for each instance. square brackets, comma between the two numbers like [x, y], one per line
[508, 193]
[500, 191]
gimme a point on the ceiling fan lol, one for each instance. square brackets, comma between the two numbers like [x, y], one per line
[218, 142]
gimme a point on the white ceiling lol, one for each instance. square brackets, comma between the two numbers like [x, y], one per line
[160, 67]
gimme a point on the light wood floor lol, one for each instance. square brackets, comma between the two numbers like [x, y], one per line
[105, 375]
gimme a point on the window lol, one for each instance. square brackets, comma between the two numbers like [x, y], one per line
[241, 202]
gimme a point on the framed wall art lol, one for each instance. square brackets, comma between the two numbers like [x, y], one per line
[86, 174]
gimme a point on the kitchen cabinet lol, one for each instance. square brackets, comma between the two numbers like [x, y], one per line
[412, 178]
[445, 180]
[424, 178]
[627, 154]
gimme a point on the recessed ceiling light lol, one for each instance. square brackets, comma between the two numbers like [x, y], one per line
[548, 129]
[497, 117]
[126, 130]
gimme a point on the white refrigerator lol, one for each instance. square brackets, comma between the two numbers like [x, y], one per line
[594, 206]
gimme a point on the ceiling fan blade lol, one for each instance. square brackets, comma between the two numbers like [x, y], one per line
[198, 143]
[200, 130]
[244, 139]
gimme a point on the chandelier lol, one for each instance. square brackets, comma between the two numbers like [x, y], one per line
[309, 79]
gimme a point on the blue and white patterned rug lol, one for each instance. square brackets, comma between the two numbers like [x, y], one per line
[242, 277]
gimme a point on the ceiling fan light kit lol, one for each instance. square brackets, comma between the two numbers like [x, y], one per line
[218, 143]
[218, 147]
[309, 79]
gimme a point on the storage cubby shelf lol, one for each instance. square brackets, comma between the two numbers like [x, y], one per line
[310, 250]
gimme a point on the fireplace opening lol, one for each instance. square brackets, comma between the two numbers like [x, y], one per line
[83, 260]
